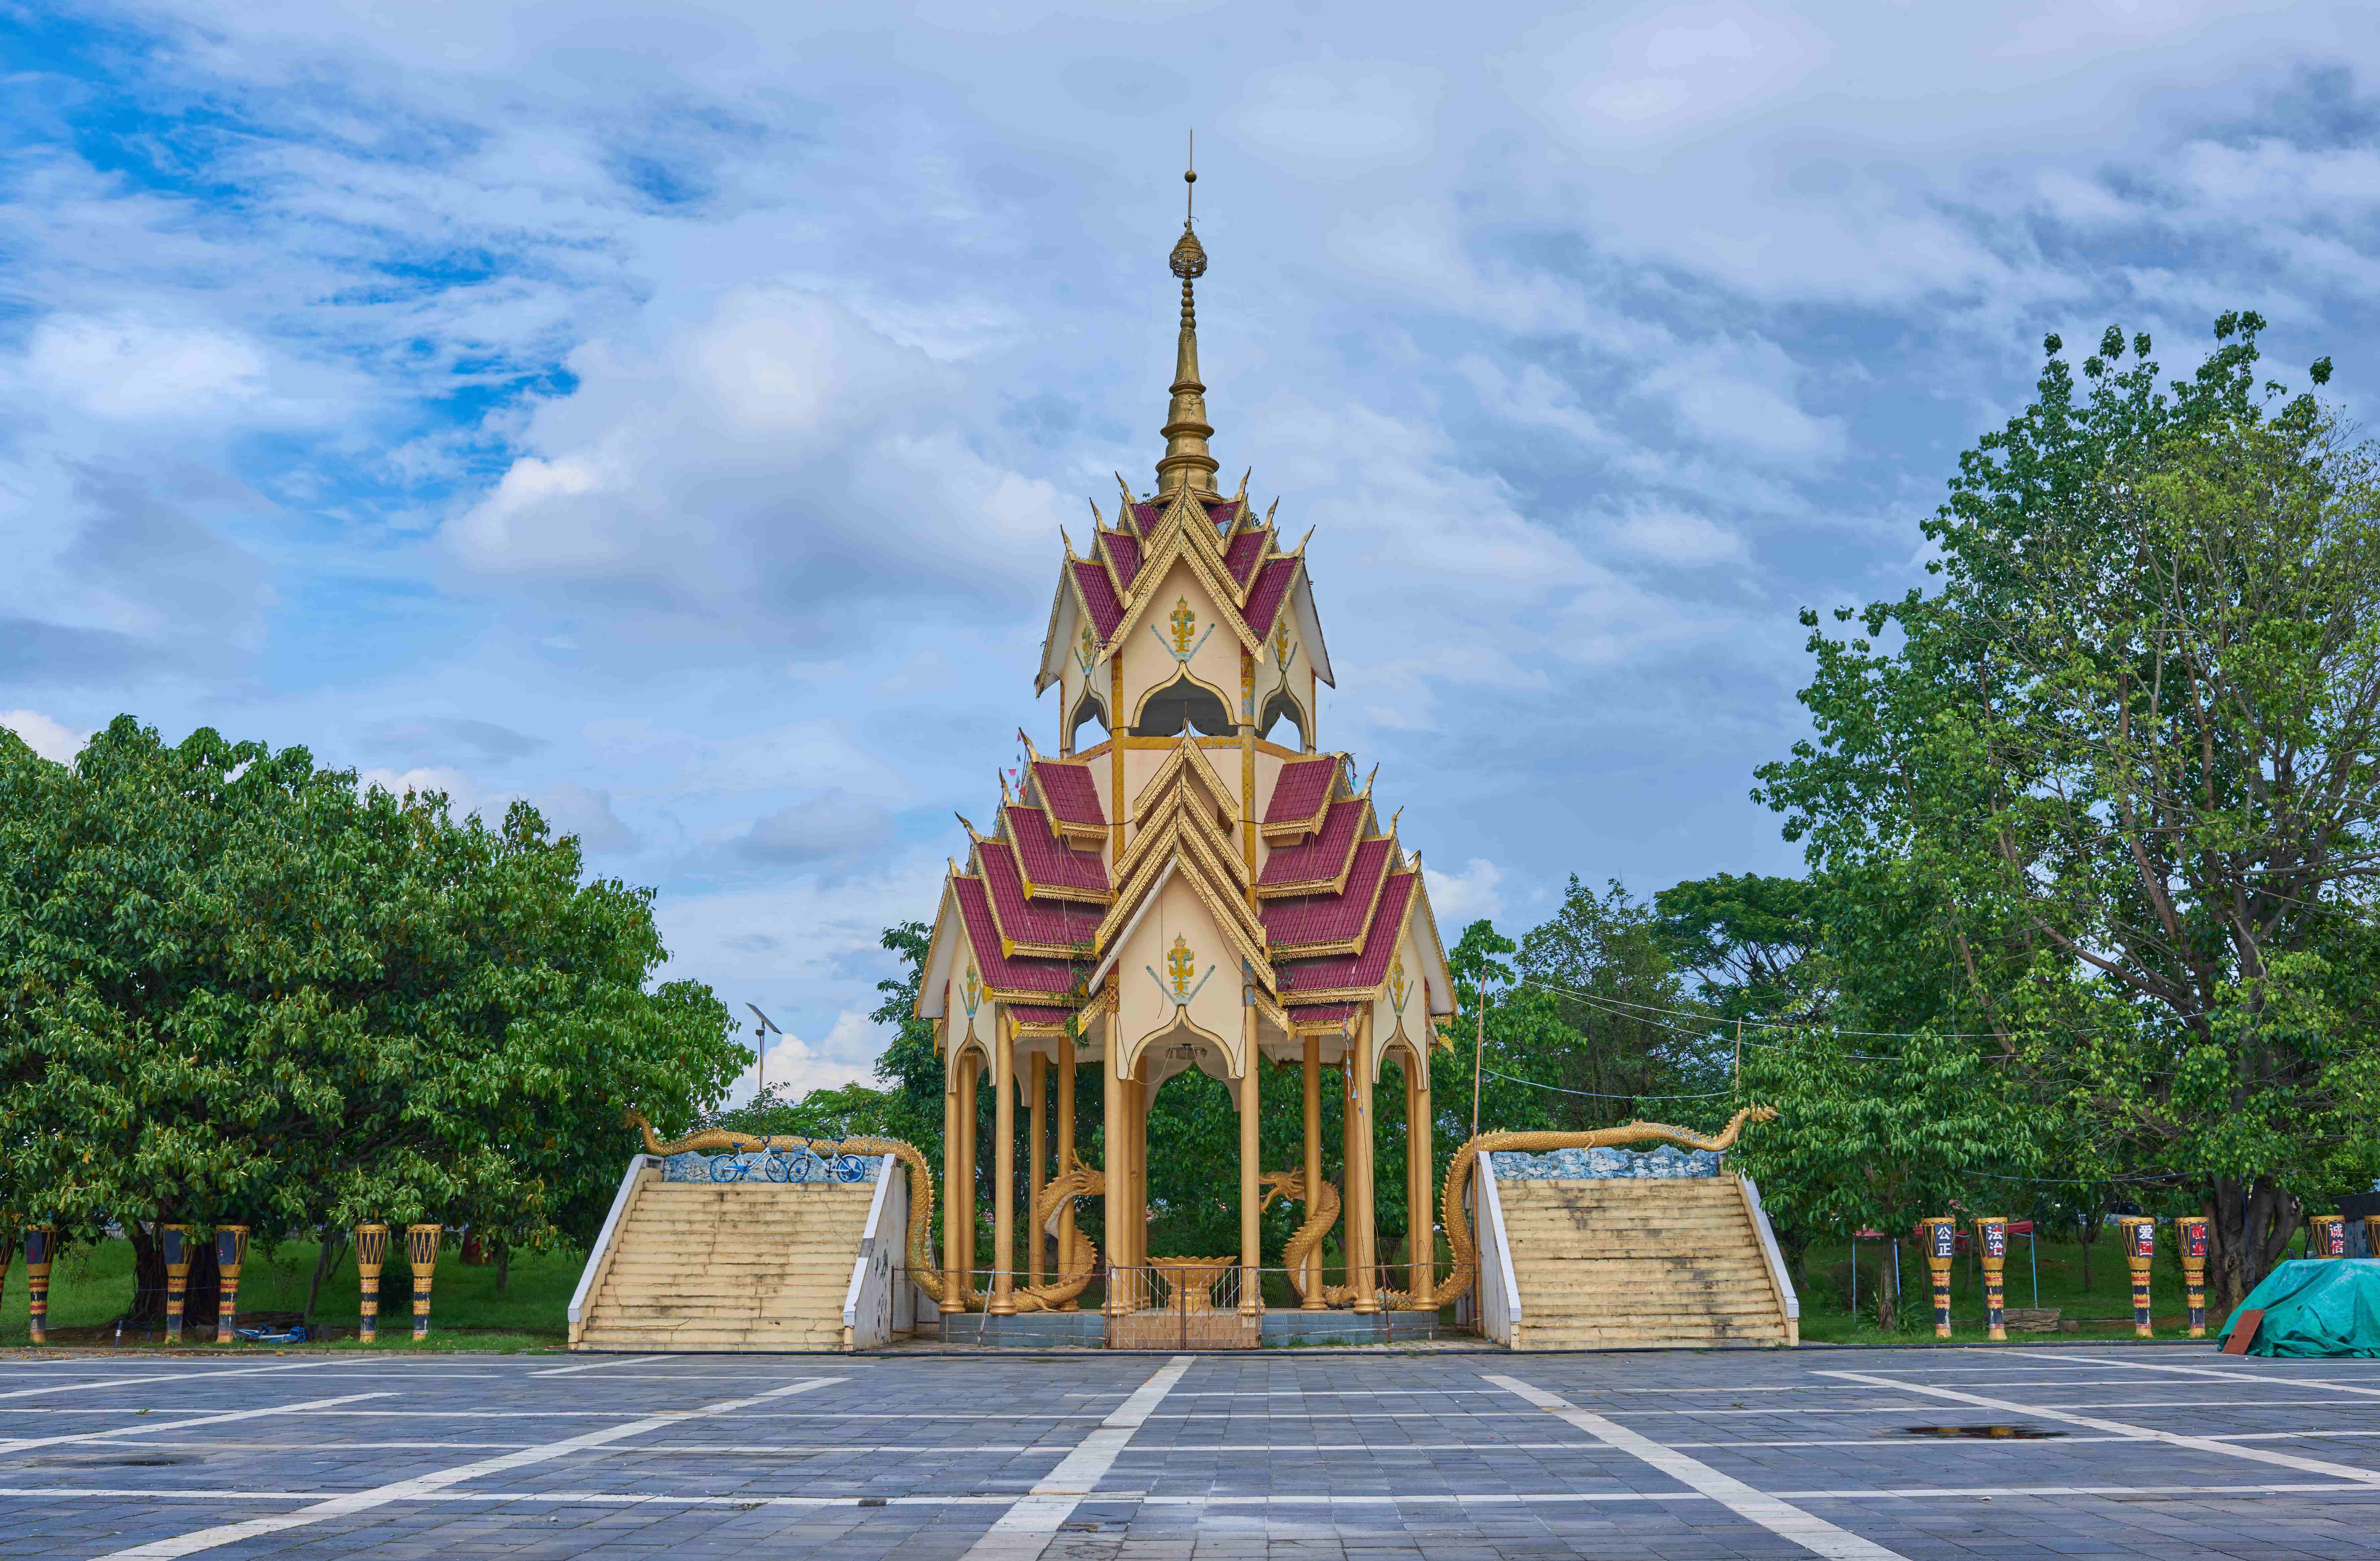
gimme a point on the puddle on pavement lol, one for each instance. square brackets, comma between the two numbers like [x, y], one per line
[1986, 1433]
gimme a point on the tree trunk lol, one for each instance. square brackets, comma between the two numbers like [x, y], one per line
[1887, 1288]
[205, 1302]
[147, 1306]
[503, 1263]
[2087, 1231]
[2248, 1226]
[326, 1261]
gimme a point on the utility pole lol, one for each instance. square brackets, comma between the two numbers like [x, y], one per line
[1479, 1047]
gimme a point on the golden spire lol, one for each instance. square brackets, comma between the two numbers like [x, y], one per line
[1187, 462]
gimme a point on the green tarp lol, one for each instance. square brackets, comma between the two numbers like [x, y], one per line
[2316, 1307]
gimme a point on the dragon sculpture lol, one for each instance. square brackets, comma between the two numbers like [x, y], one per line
[1078, 1264]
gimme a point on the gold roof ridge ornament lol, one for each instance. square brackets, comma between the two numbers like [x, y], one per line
[1187, 462]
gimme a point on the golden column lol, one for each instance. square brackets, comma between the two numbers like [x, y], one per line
[970, 1082]
[2326, 1235]
[1421, 1248]
[1361, 1234]
[1119, 1162]
[231, 1250]
[1941, 1241]
[1251, 1231]
[1137, 1094]
[2193, 1272]
[41, 1251]
[2140, 1250]
[421, 1252]
[175, 1240]
[1037, 1137]
[1991, 1235]
[1313, 1287]
[372, 1251]
[1065, 1152]
[954, 1207]
[1004, 1167]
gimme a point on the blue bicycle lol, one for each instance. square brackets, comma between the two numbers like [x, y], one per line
[786, 1164]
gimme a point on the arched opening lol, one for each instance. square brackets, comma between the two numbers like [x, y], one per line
[1087, 711]
[1281, 708]
[1181, 704]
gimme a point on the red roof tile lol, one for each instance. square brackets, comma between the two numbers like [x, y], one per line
[1321, 857]
[1107, 614]
[1146, 515]
[1321, 1013]
[1045, 920]
[1008, 975]
[1069, 790]
[1242, 555]
[1272, 590]
[1124, 550]
[1301, 791]
[1225, 513]
[1046, 861]
[1038, 1013]
[1329, 918]
[1363, 970]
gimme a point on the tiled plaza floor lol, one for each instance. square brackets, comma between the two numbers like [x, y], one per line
[2170, 1452]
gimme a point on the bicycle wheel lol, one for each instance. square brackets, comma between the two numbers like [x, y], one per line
[726, 1168]
[847, 1168]
[777, 1166]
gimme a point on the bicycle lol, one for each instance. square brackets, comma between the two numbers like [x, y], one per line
[736, 1165]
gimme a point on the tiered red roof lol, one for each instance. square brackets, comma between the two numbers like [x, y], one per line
[1048, 861]
[1242, 553]
[1107, 613]
[1369, 965]
[1332, 918]
[1124, 552]
[1069, 789]
[1320, 1013]
[1323, 859]
[1299, 794]
[1271, 589]
[1049, 922]
[1002, 972]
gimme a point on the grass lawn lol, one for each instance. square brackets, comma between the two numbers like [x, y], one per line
[2105, 1310]
[92, 1285]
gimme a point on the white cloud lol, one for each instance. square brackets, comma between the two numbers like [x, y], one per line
[1337, 117]
[1674, 536]
[53, 740]
[845, 1055]
[136, 369]
[1460, 899]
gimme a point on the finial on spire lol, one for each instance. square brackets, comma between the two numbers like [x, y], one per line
[1187, 462]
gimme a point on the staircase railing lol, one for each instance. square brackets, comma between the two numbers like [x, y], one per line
[877, 1274]
[599, 1258]
[1499, 1292]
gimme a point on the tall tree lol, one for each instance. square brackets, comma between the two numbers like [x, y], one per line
[2119, 770]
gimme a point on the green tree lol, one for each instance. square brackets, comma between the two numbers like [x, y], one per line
[233, 989]
[1599, 963]
[2111, 789]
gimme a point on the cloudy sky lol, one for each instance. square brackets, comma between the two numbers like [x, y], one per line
[666, 412]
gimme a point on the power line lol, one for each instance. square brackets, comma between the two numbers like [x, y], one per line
[1594, 1095]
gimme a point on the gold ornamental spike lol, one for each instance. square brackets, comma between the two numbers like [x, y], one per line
[1187, 462]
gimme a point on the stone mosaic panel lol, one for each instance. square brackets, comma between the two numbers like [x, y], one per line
[1567, 1165]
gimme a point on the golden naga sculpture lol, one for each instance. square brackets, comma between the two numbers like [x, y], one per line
[1466, 1160]
[1075, 1264]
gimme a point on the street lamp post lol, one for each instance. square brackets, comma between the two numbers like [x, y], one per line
[760, 1084]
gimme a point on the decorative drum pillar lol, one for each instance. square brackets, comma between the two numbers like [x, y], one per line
[1941, 1241]
[1991, 1234]
[421, 1251]
[41, 1251]
[174, 1241]
[2371, 1235]
[372, 1251]
[2193, 1272]
[2329, 1233]
[2140, 1253]
[231, 1251]
[1313, 1287]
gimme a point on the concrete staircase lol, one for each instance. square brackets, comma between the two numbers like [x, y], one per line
[1630, 1263]
[743, 1266]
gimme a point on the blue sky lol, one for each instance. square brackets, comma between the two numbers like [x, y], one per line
[666, 413]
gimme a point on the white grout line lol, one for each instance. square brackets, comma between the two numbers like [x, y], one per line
[595, 1366]
[21, 1444]
[1025, 1531]
[2171, 1438]
[1778, 1516]
[430, 1485]
[166, 1377]
[2242, 1374]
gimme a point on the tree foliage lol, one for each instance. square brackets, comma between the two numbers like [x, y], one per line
[235, 990]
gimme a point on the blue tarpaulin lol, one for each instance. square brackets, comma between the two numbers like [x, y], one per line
[2315, 1306]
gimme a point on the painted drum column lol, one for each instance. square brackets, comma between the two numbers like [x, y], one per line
[1941, 1241]
[1313, 1286]
[2326, 1235]
[2371, 1235]
[2193, 1272]
[2140, 1251]
[231, 1251]
[421, 1251]
[175, 1240]
[372, 1251]
[1003, 1168]
[1991, 1234]
[41, 1251]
